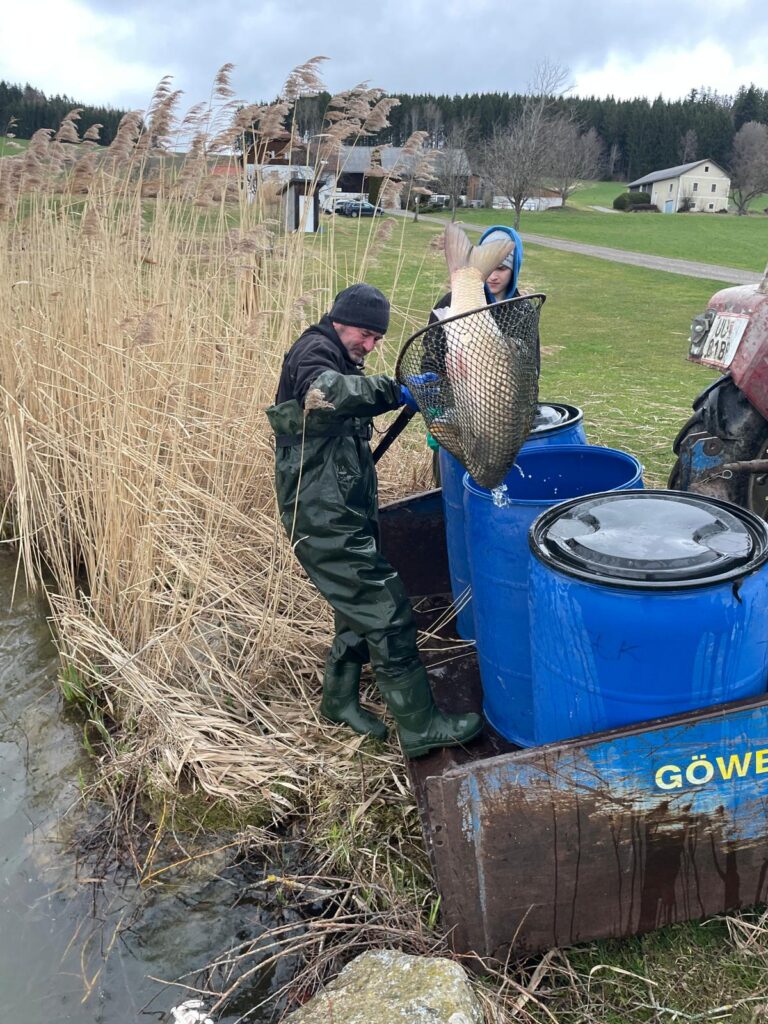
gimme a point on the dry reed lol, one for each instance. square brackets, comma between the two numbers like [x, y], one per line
[148, 300]
[141, 340]
[141, 343]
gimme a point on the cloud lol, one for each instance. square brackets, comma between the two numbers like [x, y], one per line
[115, 51]
[70, 49]
[673, 72]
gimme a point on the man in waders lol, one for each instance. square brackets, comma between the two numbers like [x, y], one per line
[327, 496]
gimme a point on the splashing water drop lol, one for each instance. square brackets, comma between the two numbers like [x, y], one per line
[499, 496]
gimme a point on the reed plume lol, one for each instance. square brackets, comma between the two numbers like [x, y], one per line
[135, 456]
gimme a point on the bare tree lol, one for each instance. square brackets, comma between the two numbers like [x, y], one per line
[513, 160]
[414, 172]
[452, 166]
[749, 164]
[614, 156]
[688, 147]
[433, 122]
[571, 156]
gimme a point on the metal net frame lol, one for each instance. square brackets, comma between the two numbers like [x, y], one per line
[475, 379]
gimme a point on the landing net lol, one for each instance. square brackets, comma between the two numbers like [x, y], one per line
[475, 380]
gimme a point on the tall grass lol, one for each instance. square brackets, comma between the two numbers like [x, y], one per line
[140, 343]
[146, 304]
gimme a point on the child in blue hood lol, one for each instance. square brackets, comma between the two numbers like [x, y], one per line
[500, 285]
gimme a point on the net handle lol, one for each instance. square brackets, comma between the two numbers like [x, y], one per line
[392, 433]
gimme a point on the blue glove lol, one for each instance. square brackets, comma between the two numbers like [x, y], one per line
[428, 395]
[407, 399]
[420, 379]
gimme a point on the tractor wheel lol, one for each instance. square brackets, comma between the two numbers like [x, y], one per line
[724, 428]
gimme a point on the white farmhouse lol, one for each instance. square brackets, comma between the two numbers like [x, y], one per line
[702, 185]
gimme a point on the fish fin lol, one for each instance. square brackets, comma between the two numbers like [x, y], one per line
[458, 248]
[459, 252]
[486, 258]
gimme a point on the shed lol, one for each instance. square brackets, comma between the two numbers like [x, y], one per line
[354, 162]
[701, 185]
[300, 187]
[302, 204]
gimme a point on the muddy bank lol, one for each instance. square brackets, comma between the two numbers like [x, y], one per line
[79, 941]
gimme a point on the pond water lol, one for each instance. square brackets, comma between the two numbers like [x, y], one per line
[76, 948]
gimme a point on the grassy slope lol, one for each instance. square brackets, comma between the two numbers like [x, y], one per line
[10, 147]
[614, 337]
[726, 240]
[614, 342]
[596, 193]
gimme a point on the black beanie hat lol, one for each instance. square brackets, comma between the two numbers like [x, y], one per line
[362, 305]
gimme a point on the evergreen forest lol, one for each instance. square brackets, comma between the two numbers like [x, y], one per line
[638, 135]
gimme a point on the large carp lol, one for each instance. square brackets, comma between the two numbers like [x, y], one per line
[490, 364]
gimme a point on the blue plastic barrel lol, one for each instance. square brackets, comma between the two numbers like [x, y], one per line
[451, 476]
[555, 424]
[497, 525]
[644, 605]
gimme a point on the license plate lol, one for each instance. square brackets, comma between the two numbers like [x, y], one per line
[722, 340]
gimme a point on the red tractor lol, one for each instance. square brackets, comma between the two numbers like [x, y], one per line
[723, 448]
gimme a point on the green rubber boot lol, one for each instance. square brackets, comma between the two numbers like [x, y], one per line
[420, 725]
[341, 699]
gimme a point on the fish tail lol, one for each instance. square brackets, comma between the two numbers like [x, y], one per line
[459, 252]
[458, 248]
[486, 258]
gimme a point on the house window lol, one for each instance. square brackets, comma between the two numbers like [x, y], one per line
[695, 186]
[711, 206]
[714, 188]
[670, 188]
[706, 168]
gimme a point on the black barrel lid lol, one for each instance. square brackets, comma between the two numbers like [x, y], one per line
[656, 538]
[550, 415]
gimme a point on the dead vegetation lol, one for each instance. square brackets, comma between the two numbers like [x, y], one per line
[147, 303]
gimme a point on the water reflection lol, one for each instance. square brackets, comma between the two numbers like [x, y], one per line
[75, 948]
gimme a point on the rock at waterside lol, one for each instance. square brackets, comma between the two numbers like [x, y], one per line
[387, 987]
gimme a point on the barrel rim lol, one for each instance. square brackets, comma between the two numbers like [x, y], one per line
[757, 528]
[548, 452]
[574, 412]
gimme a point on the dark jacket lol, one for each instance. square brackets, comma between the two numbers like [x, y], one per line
[327, 496]
[323, 460]
[319, 348]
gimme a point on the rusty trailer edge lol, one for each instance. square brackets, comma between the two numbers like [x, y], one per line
[605, 836]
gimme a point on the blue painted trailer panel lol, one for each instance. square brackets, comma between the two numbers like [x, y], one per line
[604, 836]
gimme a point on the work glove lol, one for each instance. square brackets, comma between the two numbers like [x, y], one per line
[428, 395]
[407, 399]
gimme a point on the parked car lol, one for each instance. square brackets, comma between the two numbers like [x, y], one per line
[331, 203]
[359, 209]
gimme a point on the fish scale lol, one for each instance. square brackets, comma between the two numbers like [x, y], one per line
[480, 394]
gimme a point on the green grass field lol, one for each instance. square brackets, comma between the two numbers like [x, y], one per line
[614, 338]
[10, 147]
[614, 342]
[596, 193]
[726, 240]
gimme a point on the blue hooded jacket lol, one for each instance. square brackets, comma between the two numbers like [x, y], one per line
[517, 255]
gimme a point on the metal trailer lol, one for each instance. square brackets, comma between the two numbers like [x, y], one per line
[603, 836]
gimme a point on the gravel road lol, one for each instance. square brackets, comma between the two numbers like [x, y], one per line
[689, 268]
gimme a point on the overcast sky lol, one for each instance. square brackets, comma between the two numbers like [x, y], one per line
[115, 51]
